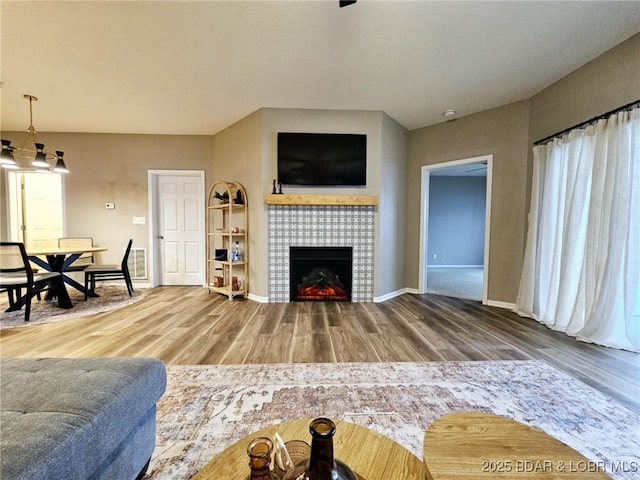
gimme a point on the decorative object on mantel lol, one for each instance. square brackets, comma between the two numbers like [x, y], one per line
[39, 158]
[303, 199]
[277, 191]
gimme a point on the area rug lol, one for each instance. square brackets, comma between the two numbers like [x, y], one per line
[207, 408]
[43, 311]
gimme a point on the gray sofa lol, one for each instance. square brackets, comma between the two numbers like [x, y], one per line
[66, 419]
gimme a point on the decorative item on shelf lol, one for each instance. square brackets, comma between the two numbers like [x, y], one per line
[223, 197]
[221, 254]
[39, 158]
[218, 281]
[236, 285]
[321, 464]
[279, 189]
[259, 451]
[236, 253]
[238, 200]
[273, 189]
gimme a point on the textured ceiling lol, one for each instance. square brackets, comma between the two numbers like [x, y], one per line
[197, 67]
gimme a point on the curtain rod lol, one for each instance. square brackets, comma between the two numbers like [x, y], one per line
[628, 106]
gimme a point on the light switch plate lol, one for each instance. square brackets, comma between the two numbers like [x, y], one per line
[110, 206]
[139, 220]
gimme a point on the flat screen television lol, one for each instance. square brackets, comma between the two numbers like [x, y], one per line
[322, 159]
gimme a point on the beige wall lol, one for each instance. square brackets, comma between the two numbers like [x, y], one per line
[237, 157]
[113, 168]
[604, 84]
[390, 273]
[247, 152]
[507, 132]
[504, 133]
[323, 121]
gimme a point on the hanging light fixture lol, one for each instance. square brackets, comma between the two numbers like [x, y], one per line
[39, 157]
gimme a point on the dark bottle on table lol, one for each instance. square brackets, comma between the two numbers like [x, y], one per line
[321, 465]
[259, 451]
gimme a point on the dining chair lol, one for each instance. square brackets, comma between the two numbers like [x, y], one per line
[16, 274]
[86, 259]
[97, 273]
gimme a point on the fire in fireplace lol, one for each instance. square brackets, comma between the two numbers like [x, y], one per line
[320, 273]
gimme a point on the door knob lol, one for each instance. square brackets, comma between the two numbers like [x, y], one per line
[161, 237]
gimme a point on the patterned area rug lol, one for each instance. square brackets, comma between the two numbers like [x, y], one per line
[43, 311]
[207, 408]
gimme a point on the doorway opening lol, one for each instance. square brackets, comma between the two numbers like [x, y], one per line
[458, 264]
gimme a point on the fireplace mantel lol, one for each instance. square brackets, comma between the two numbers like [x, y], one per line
[300, 199]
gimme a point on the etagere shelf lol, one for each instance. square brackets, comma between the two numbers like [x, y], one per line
[227, 272]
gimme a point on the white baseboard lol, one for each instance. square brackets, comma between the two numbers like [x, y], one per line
[505, 305]
[257, 298]
[389, 296]
[455, 266]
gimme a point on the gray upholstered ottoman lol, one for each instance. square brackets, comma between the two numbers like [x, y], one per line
[66, 419]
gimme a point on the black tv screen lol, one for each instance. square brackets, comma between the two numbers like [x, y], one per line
[322, 159]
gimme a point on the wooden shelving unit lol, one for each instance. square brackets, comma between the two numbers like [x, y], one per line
[227, 224]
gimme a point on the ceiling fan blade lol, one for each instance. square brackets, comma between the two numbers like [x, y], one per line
[346, 3]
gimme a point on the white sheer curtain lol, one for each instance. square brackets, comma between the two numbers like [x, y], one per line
[581, 272]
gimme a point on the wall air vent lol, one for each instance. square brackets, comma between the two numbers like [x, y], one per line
[138, 263]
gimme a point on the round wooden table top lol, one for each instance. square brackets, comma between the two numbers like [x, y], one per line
[370, 455]
[475, 445]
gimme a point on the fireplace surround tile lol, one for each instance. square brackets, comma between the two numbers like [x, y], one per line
[322, 226]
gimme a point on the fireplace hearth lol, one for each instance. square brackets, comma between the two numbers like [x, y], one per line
[320, 274]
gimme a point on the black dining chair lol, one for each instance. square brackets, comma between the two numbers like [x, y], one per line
[17, 275]
[84, 260]
[98, 273]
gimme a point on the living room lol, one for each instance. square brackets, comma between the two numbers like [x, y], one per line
[105, 175]
[111, 166]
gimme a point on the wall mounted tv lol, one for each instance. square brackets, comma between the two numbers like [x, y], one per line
[322, 159]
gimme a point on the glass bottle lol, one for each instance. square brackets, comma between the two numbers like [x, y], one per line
[259, 451]
[321, 465]
[236, 254]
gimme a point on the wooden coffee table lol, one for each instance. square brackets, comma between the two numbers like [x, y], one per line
[475, 445]
[370, 455]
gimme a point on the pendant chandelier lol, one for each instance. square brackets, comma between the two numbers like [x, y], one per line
[39, 157]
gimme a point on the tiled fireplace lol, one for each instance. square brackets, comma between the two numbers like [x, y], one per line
[321, 226]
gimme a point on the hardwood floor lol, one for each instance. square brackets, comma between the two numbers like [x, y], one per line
[186, 325]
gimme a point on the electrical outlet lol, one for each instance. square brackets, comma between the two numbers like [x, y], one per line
[435, 255]
[139, 220]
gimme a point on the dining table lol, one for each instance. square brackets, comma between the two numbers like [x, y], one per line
[59, 259]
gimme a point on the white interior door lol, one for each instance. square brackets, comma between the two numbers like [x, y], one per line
[36, 208]
[181, 229]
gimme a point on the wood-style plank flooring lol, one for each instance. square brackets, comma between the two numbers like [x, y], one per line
[187, 325]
